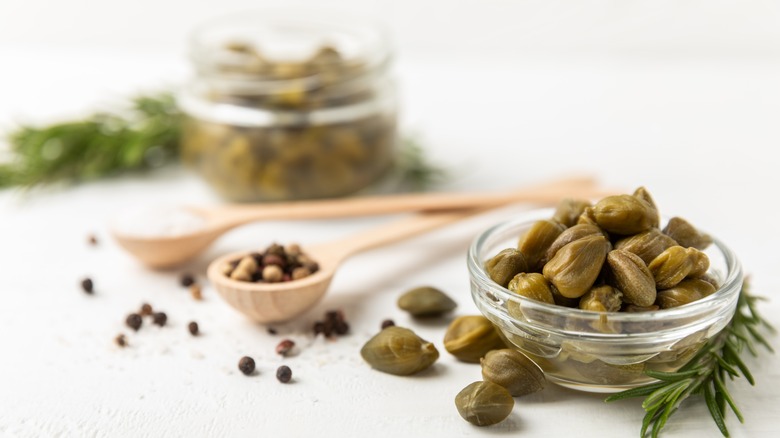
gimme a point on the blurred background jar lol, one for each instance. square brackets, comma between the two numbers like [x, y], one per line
[293, 107]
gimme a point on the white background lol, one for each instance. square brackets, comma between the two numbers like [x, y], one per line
[680, 96]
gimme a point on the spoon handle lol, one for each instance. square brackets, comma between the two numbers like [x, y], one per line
[235, 215]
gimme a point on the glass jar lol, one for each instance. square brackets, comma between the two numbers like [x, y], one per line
[600, 351]
[285, 108]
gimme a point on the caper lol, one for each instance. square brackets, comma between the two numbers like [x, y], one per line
[469, 338]
[647, 245]
[686, 234]
[603, 298]
[587, 217]
[426, 301]
[685, 292]
[505, 265]
[399, 351]
[561, 300]
[604, 373]
[625, 214]
[632, 277]
[671, 266]
[533, 286]
[484, 403]
[576, 266]
[644, 195]
[535, 242]
[512, 370]
[570, 235]
[569, 210]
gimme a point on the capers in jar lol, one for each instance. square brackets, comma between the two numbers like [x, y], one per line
[677, 263]
[569, 210]
[505, 265]
[512, 370]
[570, 235]
[647, 245]
[426, 301]
[685, 292]
[399, 351]
[470, 337]
[632, 277]
[686, 234]
[533, 286]
[484, 403]
[603, 298]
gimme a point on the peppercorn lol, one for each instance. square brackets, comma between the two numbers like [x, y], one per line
[134, 321]
[160, 318]
[193, 328]
[272, 274]
[92, 240]
[121, 340]
[285, 347]
[87, 285]
[272, 331]
[274, 259]
[146, 309]
[246, 365]
[186, 280]
[284, 374]
[195, 291]
[387, 323]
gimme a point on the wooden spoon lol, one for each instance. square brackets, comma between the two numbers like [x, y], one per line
[165, 251]
[277, 302]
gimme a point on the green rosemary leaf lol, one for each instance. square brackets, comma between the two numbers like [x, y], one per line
[635, 392]
[664, 394]
[725, 365]
[734, 357]
[649, 418]
[720, 390]
[671, 377]
[709, 398]
[758, 337]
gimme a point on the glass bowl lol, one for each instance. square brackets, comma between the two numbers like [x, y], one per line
[596, 351]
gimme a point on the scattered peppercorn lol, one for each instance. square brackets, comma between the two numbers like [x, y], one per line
[284, 374]
[134, 321]
[146, 309]
[272, 331]
[334, 323]
[285, 347]
[160, 318]
[193, 328]
[92, 240]
[121, 340]
[387, 323]
[87, 285]
[195, 291]
[186, 280]
[246, 365]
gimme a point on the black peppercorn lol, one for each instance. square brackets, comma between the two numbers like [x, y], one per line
[193, 328]
[284, 373]
[92, 240]
[134, 321]
[87, 285]
[146, 309]
[186, 280]
[285, 347]
[387, 323]
[246, 365]
[121, 340]
[160, 318]
[272, 331]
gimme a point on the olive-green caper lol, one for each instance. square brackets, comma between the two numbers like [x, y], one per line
[647, 245]
[505, 265]
[484, 403]
[399, 351]
[426, 301]
[587, 217]
[575, 267]
[671, 266]
[632, 277]
[470, 337]
[685, 292]
[604, 373]
[535, 242]
[625, 214]
[569, 210]
[512, 370]
[561, 300]
[570, 235]
[533, 286]
[644, 195]
[603, 298]
[686, 234]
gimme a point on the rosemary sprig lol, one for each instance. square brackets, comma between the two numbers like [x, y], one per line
[706, 373]
[146, 135]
